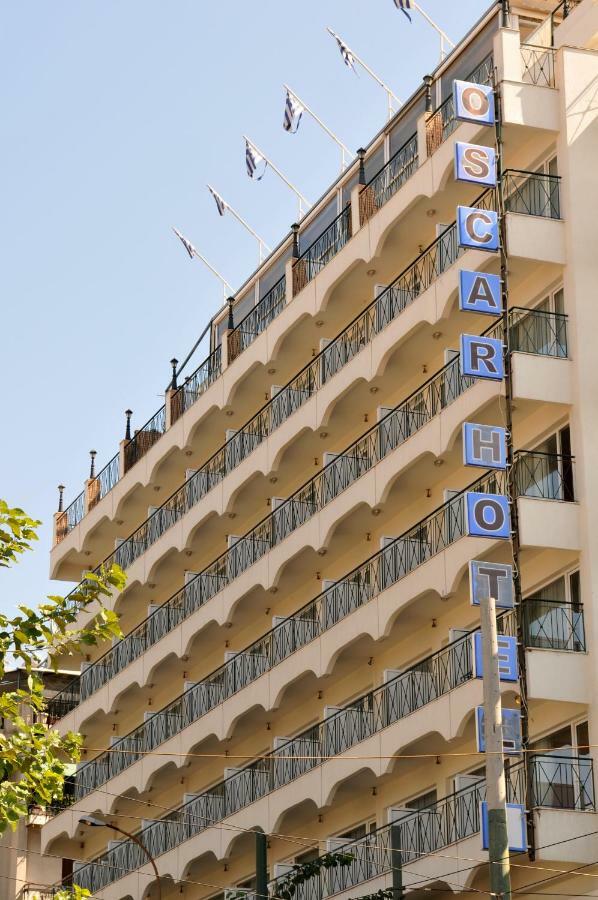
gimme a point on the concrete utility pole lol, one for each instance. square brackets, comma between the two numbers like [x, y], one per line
[261, 866]
[496, 793]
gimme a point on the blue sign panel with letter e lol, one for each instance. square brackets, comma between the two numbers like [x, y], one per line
[484, 446]
[487, 515]
[477, 229]
[473, 102]
[480, 292]
[511, 731]
[489, 579]
[508, 670]
[516, 826]
[475, 163]
[482, 357]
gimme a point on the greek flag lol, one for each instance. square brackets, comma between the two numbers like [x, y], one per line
[221, 204]
[403, 5]
[346, 54]
[293, 110]
[186, 244]
[252, 160]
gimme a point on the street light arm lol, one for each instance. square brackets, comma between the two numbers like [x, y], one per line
[136, 840]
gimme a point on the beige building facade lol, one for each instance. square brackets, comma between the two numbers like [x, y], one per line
[298, 629]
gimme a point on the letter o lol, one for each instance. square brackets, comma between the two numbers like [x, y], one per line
[475, 101]
[495, 521]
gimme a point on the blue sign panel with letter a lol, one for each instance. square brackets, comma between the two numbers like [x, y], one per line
[480, 292]
[482, 357]
[488, 579]
[484, 446]
[511, 731]
[516, 826]
[473, 102]
[477, 229]
[475, 163]
[508, 670]
[487, 515]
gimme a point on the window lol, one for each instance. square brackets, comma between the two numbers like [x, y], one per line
[562, 768]
[547, 471]
[553, 615]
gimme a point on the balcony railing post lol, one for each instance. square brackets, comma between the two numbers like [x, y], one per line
[60, 522]
[92, 486]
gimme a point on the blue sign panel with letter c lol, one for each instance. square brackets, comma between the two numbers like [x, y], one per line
[477, 229]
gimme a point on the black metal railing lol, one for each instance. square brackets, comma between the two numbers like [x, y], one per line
[545, 476]
[553, 625]
[538, 65]
[256, 321]
[196, 384]
[532, 194]
[70, 517]
[322, 250]
[443, 121]
[435, 827]
[557, 782]
[385, 183]
[419, 544]
[145, 438]
[412, 414]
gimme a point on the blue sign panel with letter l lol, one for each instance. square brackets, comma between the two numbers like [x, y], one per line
[475, 163]
[508, 670]
[516, 826]
[511, 731]
[482, 357]
[477, 229]
[484, 446]
[480, 292]
[488, 579]
[473, 102]
[487, 515]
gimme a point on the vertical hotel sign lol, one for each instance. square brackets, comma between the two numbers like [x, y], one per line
[486, 514]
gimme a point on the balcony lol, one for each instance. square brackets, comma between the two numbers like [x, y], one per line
[531, 331]
[322, 250]
[557, 782]
[537, 475]
[443, 122]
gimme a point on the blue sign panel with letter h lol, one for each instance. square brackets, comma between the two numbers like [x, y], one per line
[487, 515]
[480, 292]
[484, 446]
[477, 229]
[508, 670]
[475, 163]
[482, 357]
[473, 102]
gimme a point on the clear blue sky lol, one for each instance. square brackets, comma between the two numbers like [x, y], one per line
[114, 116]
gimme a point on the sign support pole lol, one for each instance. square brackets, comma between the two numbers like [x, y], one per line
[496, 792]
[511, 476]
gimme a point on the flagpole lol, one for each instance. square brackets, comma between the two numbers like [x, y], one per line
[344, 149]
[226, 287]
[442, 34]
[297, 193]
[389, 93]
[261, 243]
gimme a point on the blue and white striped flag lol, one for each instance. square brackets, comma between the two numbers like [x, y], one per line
[253, 160]
[403, 5]
[348, 58]
[293, 110]
[186, 244]
[221, 204]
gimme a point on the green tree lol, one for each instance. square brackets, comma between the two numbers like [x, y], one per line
[33, 755]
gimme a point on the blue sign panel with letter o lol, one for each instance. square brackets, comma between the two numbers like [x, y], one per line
[482, 357]
[475, 163]
[473, 102]
[487, 515]
[480, 292]
[477, 229]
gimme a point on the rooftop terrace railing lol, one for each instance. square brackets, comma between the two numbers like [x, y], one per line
[454, 818]
[558, 782]
[537, 331]
[196, 384]
[256, 321]
[145, 438]
[385, 183]
[443, 121]
[322, 250]
[420, 543]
